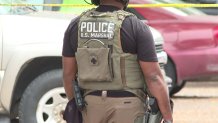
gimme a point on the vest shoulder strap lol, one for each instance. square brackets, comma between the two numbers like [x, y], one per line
[123, 14]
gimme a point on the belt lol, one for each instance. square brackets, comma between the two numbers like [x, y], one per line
[113, 93]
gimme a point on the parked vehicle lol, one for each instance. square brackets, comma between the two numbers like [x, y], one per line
[191, 41]
[207, 10]
[30, 64]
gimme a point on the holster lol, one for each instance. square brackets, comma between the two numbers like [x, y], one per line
[155, 117]
[71, 113]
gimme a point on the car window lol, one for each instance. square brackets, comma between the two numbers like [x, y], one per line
[29, 9]
[16, 9]
[74, 10]
[5, 9]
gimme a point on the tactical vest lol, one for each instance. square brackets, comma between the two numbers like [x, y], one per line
[102, 64]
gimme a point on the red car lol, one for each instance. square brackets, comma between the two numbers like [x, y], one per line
[191, 41]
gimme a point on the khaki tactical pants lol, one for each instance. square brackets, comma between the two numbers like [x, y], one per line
[101, 109]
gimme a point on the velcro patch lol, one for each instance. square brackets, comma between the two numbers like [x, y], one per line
[97, 30]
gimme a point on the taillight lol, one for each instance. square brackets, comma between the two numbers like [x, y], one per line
[216, 33]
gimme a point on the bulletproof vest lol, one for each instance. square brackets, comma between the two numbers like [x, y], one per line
[102, 64]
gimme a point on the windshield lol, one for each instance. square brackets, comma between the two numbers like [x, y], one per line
[76, 10]
[7, 9]
[179, 11]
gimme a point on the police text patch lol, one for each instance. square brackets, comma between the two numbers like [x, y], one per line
[97, 30]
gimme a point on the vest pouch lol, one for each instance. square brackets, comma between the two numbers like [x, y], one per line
[94, 64]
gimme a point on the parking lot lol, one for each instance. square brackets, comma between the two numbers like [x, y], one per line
[197, 103]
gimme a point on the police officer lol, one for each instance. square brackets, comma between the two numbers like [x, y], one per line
[114, 55]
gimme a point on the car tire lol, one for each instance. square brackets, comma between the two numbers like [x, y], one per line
[170, 70]
[44, 99]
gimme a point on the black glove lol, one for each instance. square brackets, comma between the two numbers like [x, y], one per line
[71, 113]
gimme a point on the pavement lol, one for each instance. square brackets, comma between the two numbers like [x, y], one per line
[197, 102]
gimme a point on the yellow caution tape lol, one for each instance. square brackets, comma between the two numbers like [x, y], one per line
[130, 5]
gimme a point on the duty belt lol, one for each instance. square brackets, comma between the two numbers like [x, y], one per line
[118, 93]
[113, 93]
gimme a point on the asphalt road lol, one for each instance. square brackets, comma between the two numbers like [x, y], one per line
[197, 102]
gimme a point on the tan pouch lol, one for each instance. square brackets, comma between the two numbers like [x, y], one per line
[94, 64]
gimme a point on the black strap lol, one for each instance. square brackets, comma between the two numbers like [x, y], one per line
[113, 93]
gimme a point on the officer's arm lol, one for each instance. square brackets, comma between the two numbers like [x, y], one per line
[69, 74]
[157, 87]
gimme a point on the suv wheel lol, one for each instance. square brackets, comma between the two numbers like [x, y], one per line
[171, 72]
[44, 100]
